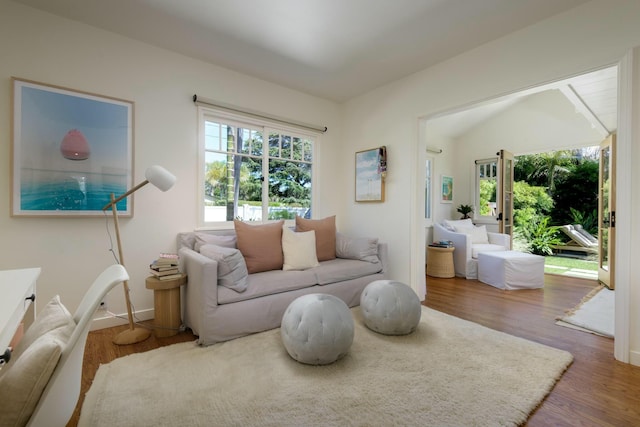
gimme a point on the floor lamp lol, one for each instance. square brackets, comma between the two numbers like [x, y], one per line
[164, 180]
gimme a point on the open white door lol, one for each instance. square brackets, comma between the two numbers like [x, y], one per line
[505, 193]
[607, 212]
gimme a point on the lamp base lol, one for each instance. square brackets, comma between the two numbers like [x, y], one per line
[132, 336]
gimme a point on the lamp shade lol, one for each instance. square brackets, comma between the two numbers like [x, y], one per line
[160, 177]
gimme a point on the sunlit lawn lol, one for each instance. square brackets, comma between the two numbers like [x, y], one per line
[561, 265]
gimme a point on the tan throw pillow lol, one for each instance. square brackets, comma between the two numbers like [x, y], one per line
[299, 249]
[261, 245]
[325, 235]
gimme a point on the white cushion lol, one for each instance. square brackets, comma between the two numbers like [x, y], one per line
[479, 234]
[457, 225]
[26, 376]
[52, 316]
[477, 248]
[299, 249]
[232, 270]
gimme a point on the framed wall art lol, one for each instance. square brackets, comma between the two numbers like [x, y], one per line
[371, 169]
[446, 189]
[70, 151]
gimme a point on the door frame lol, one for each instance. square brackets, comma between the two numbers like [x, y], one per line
[628, 92]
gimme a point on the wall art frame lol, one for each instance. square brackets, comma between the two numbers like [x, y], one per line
[446, 189]
[371, 170]
[70, 150]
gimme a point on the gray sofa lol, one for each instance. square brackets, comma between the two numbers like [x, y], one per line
[219, 313]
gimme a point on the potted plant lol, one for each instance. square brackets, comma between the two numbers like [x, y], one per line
[465, 210]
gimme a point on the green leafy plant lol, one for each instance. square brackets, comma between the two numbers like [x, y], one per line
[540, 237]
[465, 210]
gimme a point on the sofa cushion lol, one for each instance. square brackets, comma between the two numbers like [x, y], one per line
[261, 245]
[478, 234]
[54, 315]
[456, 225]
[339, 270]
[267, 283]
[232, 269]
[299, 249]
[489, 247]
[359, 248]
[26, 376]
[325, 235]
[214, 239]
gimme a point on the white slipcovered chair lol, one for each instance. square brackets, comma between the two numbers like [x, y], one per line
[469, 241]
[41, 384]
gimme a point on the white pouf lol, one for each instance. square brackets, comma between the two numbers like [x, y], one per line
[390, 307]
[317, 329]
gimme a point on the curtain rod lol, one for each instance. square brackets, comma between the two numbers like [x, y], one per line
[204, 101]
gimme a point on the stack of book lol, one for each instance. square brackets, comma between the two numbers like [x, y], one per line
[166, 267]
[442, 244]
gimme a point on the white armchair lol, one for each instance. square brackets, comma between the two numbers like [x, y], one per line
[469, 241]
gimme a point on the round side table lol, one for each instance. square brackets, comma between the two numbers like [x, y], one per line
[166, 304]
[440, 262]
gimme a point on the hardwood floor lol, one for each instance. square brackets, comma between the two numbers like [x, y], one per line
[596, 390]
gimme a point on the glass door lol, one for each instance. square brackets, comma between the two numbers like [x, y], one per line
[606, 212]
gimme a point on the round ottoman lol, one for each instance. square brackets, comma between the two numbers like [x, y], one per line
[317, 329]
[390, 307]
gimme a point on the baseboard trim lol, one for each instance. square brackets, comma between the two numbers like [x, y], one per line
[109, 320]
[634, 358]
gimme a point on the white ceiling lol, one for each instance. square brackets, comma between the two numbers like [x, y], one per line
[594, 95]
[335, 49]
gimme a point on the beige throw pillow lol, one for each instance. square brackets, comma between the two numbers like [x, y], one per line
[261, 245]
[299, 249]
[52, 316]
[325, 235]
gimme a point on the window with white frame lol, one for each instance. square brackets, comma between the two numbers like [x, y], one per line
[253, 170]
[486, 188]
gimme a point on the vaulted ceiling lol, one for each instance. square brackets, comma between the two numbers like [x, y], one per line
[335, 49]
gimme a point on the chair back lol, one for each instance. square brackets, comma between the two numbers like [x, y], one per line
[60, 397]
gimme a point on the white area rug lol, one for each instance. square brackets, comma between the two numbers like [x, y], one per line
[449, 372]
[594, 314]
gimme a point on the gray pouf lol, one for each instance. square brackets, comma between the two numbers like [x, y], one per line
[317, 329]
[390, 307]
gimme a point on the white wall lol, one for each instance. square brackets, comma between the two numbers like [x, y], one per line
[42, 47]
[590, 37]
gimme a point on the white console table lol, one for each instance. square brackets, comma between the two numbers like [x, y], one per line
[17, 296]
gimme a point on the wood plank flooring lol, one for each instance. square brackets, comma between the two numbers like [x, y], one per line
[596, 390]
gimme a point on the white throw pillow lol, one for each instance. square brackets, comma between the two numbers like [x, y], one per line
[232, 269]
[299, 249]
[478, 234]
[457, 225]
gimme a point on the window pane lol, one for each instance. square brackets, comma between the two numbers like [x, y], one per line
[256, 143]
[244, 141]
[274, 145]
[212, 136]
[308, 151]
[297, 149]
[286, 147]
[289, 189]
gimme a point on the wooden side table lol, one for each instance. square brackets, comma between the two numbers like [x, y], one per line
[166, 304]
[440, 262]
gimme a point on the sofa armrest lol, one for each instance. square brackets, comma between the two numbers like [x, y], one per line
[383, 255]
[201, 292]
[500, 239]
[462, 244]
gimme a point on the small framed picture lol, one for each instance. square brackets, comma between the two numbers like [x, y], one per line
[370, 172]
[70, 151]
[446, 189]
